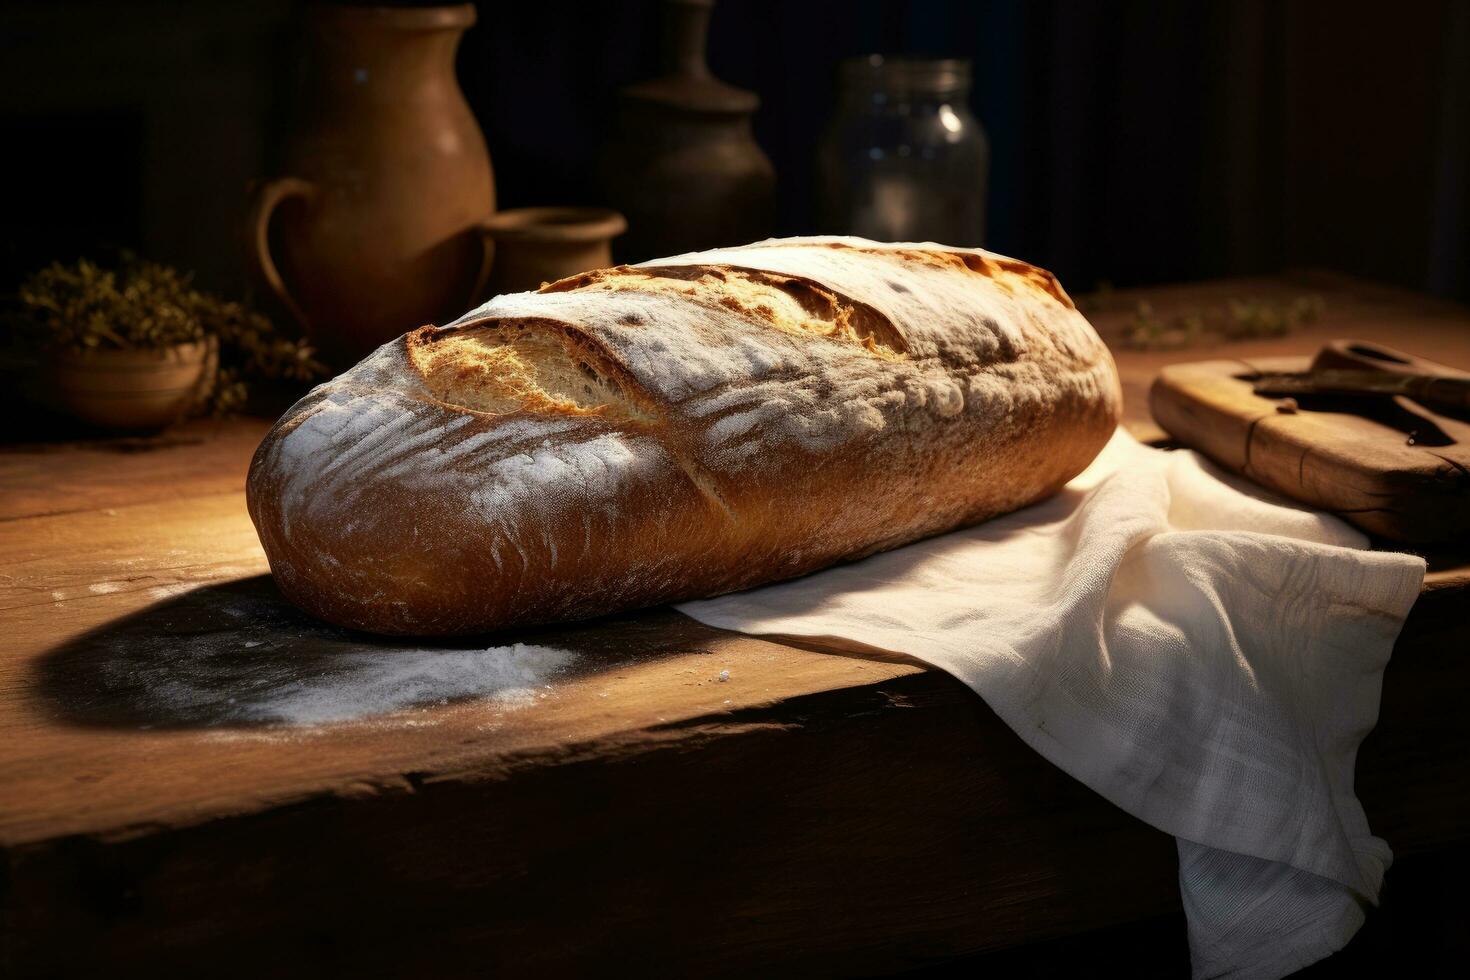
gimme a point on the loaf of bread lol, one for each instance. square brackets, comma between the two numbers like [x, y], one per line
[682, 428]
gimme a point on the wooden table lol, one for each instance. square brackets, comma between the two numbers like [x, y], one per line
[814, 812]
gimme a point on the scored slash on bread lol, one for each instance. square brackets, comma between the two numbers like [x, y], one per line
[691, 426]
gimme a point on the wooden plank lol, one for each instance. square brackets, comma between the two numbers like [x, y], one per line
[641, 790]
[823, 835]
[1411, 772]
[814, 812]
[88, 594]
[201, 456]
[808, 824]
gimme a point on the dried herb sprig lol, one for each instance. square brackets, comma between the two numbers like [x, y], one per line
[143, 305]
[1236, 319]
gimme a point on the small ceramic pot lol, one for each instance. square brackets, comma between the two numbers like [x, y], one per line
[132, 389]
[537, 245]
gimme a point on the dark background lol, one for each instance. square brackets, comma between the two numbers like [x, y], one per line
[1132, 142]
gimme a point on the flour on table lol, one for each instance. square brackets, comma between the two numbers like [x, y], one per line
[252, 660]
[171, 589]
[379, 681]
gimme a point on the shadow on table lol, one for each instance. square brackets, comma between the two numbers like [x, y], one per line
[238, 654]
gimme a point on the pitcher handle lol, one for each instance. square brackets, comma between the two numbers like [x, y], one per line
[266, 198]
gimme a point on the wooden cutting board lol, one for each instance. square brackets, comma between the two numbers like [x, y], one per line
[1388, 465]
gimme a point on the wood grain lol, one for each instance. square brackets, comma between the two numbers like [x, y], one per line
[1391, 467]
[816, 812]
[197, 457]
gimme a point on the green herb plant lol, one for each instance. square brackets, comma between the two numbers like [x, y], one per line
[143, 305]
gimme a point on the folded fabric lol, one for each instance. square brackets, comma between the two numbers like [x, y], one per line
[1204, 655]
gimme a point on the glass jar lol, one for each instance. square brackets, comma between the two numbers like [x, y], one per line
[904, 159]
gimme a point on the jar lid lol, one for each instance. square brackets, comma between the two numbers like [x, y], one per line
[906, 74]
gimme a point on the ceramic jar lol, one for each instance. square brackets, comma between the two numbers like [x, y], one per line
[531, 246]
[684, 166]
[373, 231]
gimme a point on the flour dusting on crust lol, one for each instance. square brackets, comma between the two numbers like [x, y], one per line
[691, 425]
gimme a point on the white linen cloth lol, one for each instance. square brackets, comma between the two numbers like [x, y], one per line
[1202, 654]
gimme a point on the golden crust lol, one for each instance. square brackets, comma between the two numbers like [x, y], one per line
[693, 426]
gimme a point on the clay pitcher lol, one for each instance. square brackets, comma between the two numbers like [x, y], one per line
[388, 180]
